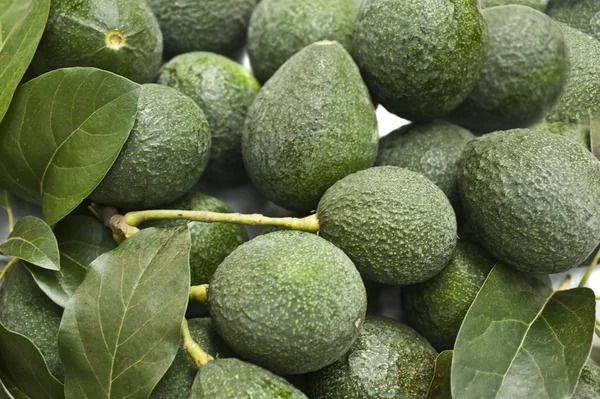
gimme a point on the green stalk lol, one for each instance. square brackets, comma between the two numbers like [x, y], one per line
[193, 349]
[8, 266]
[199, 293]
[590, 270]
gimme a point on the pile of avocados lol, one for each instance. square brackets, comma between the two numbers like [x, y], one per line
[496, 166]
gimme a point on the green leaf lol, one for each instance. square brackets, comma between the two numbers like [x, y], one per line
[22, 23]
[440, 384]
[33, 241]
[62, 133]
[522, 339]
[8, 390]
[121, 329]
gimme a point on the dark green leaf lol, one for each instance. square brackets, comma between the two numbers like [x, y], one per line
[8, 390]
[62, 133]
[520, 339]
[440, 384]
[121, 329]
[33, 241]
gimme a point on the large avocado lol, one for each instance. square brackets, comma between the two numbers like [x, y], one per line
[164, 156]
[224, 90]
[311, 124]
[583, 15]
[281, 28]
[589, 382]
[288, 301]
[420, 58]
[528, 195]
[539, 5]
[121, 36]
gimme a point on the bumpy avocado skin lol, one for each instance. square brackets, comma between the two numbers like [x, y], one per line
[165, 154]
[76, 35]
[579, 133]
[528, 195]
[431, 148]
[589, 382]
[281, 28]
[420, 58]
[311, 124]
[539, 5]
[524, 74]
[388, 360]
[224, 90]
[437, 307]
[395, 224]
[288, 301]
[583, 15]
[211, 242]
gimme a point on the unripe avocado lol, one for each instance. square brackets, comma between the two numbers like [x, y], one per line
[524, 74]
[388, 360]
[589, 382]
[164, 156]
[395, 224]
[577, 132]
[539, 5]
[420, 58]
[311, 124]
[583, 15]
[281, 28]
[121, 36]
[224, 90]
[288, 301]
[528, 195]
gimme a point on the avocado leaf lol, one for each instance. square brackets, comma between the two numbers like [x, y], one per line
[121, 329]
[33, 241]
[62, 133]
[440, 383]
[520, 338]
[8, 390]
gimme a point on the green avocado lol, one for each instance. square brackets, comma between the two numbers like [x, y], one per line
[288, 301]
[420, 58]
[224, 90]
[311, 124]
[589, 382]
[437, 307]
[583, 15]
[121, 36]
[528, 195]
[539, 5]
[165, 155]
[395, 224]
[235, 379]
[388, 360]
[577, 132]
[211, 242]
[281, 28]
[524, 74]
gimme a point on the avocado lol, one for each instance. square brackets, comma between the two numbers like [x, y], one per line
[577, 132]
[395, 224]
[528, 195]
[165, 154]
[311, 124]
[224, 90]
[430, 148]
[539, 5]
[589, 382]
[583, 15]
[281, 28]
[235, 379]
[388, 360]
[437, 307]
[523, 75]
[211, 242]
[420, 58]
[288, 301]
[121, 36]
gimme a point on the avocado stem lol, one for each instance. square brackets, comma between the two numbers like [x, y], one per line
[590, 270]
[9, 212]
[199, 293]
[114, 221]
[193, 349]
[565, 284]
[8, 266]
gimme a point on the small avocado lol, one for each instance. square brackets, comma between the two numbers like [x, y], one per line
[224, 90]
[583, 15]
[589, 382]
[289, 301]
[420, 58]
[539, 5]
[311, 124]
[121, 36]
[577, 132]
[388, 360]
[395, 224]
[524, 74]
[165, 155]
[528, 195]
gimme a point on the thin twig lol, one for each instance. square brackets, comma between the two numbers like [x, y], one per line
[8, 266]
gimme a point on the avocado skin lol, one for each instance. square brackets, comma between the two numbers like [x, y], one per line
[583, 15]
[420, 58]
[76, 31]
[165, 155]
[431, 148]
[388, 360]
[523, 76]
[539, 5]
[311, 124]
[528, 195]
[589, 382]
[437, 307]
[236, 379]
[224, 90]
[288, 301]
[579, 133]
[281, 28]
[211, 242]
[395, 224]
